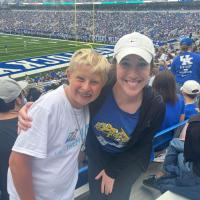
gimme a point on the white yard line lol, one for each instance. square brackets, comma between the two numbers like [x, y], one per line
[6, 35]
[33, 42]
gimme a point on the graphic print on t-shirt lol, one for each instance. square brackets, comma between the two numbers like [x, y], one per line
[72, 136]
[186, 65]
[115, 134]
[75, 137]
[112, 126]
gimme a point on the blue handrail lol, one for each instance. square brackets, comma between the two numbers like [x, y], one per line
[170, 128]
[83, 169]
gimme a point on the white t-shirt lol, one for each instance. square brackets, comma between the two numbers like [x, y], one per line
[54, 142]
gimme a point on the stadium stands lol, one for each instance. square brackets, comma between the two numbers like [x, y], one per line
[159, 25]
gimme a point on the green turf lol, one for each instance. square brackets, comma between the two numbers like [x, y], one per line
[20, 47]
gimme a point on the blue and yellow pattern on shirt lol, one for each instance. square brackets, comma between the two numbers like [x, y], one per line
[113, 127]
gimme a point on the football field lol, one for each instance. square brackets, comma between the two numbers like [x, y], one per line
[24, 55]
[21, 47]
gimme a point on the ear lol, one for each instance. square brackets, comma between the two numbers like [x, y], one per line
[69, 73]
[18, 101]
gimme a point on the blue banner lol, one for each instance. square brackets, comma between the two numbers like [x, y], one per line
[49, 62]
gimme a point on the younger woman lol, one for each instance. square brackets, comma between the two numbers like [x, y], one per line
[124, 120]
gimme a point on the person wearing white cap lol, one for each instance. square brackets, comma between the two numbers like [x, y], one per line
[11, 100]
[190, 91]
[124, 119]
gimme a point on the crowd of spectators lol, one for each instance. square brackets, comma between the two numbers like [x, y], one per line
[159, 25]
[49, 76]
[47, 81]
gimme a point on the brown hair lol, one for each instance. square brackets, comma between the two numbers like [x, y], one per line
[165, 85]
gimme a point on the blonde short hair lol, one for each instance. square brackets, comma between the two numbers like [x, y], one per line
[97, 62]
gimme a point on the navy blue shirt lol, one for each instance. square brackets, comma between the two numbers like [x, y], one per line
[186, 66]
[113, 127]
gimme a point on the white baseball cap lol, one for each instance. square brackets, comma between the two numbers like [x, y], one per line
[134, 43]
[23, 84]
[9, 89]
[191, 87]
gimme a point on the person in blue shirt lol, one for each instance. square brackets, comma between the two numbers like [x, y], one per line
[165, 85]
[186, 65]
[190, 91]
[163, 65]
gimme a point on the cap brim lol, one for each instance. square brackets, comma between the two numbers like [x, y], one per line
[136, 51]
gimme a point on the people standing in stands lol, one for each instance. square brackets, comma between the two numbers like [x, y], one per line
[124, 120]
[186, 66]
[190, 91]
[154, 72]
[162, 53]
[162, 65]
[44, 160]
[33, 94]
[11, 99]
[165, 85]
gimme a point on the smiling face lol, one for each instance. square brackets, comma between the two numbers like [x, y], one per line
[132, 75]
[84, 85]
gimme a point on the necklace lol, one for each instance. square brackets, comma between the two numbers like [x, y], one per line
[79, 127]
[77, 121]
